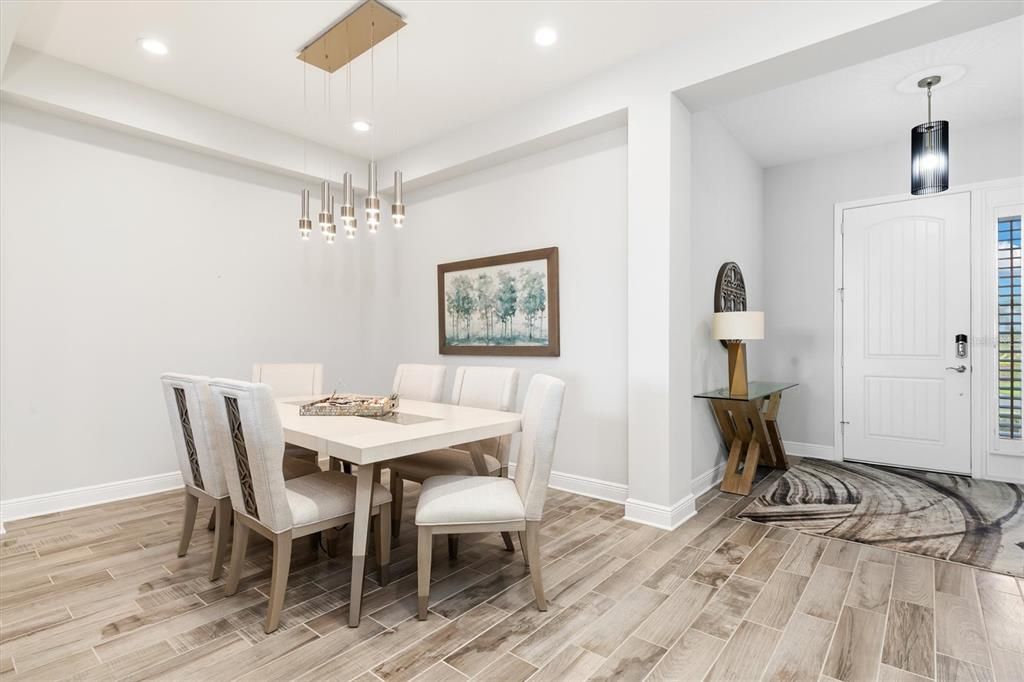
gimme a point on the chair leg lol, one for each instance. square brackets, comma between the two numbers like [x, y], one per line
[239, 543]
[507, 538]
[453, 546]
[188, 523]
[314, 543]
[222, 514]
[522, 546]
[424, 549]
[383, 541]
[533, 554]
[279, 579]
[212, 523]
[397, 493]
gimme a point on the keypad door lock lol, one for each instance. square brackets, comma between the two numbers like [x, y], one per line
[961, 345]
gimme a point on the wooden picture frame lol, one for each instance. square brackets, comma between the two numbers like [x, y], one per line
[520, 313]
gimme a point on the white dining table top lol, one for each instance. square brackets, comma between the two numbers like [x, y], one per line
[416, 427]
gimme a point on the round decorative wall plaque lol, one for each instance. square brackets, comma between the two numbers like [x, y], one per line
[730, 290]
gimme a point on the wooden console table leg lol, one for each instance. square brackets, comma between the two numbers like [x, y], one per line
[732, 480]
[772, 424]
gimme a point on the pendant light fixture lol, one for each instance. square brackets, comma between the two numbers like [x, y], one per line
[398, 208]
[348, 208]
[382, 22]
[929, 150]
[372, 198]
[305, 224]
[326, 216]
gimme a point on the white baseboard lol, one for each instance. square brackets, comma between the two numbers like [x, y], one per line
[812, 450]
[583, 485]
[661, 516]
[708, 480]
[62, 500]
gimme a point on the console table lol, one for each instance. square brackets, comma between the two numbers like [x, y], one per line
[750, 429]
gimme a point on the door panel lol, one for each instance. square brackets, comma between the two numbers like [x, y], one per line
[906, 279]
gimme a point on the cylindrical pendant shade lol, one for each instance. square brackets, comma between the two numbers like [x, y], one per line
[738, 325]
[929, 158]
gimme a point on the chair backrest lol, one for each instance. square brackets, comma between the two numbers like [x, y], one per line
[290, 379]
[491, 388]
[420, 382]
[195, 439]
[247, 416]
[541, 411]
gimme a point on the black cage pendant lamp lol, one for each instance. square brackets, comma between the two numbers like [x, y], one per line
[929, 150]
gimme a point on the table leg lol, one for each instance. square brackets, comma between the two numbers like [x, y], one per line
[772, 424]
[746, 417]
[366, 476]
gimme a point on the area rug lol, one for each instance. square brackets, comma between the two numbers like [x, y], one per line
[974, 522]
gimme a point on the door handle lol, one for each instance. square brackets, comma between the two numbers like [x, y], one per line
[960, 369]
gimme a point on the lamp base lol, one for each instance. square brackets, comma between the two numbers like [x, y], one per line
[738, 369]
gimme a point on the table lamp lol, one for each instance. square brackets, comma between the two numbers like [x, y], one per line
[734, 328]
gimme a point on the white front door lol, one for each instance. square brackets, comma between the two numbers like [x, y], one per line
[906, 297]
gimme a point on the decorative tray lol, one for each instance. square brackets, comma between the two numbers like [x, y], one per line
[351, 406]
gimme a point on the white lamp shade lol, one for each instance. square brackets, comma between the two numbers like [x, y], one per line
[738, 326]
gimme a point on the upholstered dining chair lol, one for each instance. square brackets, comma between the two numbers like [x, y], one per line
[292, 379]
[188, 409]
[474, 504]
[266, 503]
[491, 388]
[420, 382]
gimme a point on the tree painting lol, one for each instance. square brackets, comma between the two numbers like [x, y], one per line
[502, 305]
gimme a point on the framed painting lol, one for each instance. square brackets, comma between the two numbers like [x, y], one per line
[500, 305]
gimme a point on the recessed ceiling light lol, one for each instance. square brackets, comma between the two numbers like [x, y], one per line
[361, 126]
[153, 46]
[545, 36]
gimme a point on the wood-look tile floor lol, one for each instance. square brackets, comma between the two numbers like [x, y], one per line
[98, 593]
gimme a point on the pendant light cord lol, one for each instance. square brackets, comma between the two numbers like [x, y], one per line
[398, 92]
[929, 103]
[373, 88]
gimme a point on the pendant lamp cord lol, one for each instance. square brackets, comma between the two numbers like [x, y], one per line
[373, 88]
[929, 103]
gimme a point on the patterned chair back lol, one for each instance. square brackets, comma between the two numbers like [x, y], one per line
[420, 382]
[247, 416]
[192, 429]
[542, 410]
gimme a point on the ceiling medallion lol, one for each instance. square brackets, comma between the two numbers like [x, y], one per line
[355, 33]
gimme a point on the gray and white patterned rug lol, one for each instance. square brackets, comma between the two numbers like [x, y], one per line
[974, 522]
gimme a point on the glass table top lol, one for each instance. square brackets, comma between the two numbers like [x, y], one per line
[756, 390]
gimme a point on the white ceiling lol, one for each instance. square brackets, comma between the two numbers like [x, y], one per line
[861, 106]
[460, 61]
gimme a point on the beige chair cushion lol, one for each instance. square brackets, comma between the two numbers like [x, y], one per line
[325, 495]
[446, 462]
[465, 500]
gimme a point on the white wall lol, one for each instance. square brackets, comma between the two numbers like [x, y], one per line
[122, 259]
[572, 197]
[727, 226]
[798, 251]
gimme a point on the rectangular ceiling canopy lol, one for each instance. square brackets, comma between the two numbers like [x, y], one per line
[350, 36]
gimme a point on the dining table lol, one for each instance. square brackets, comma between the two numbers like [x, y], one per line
[369, 442]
